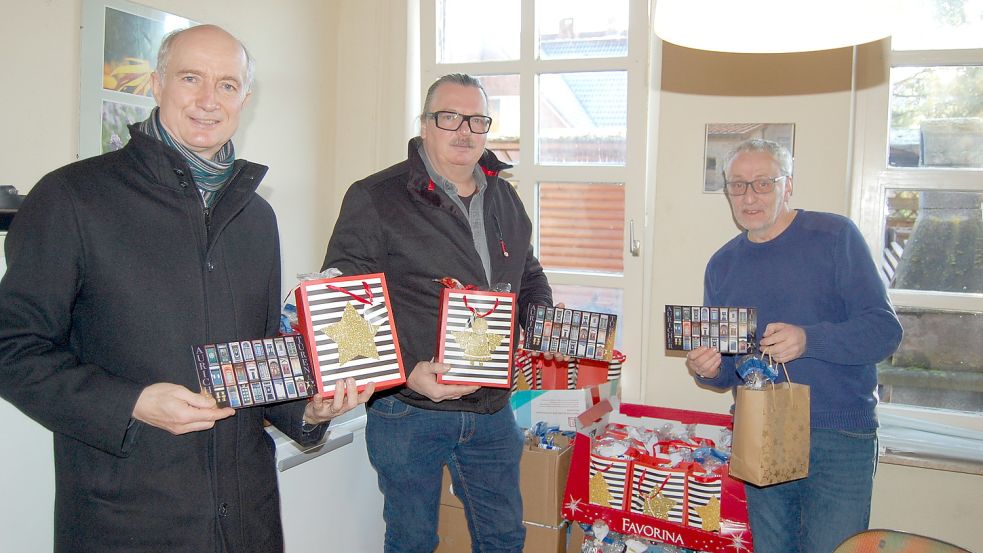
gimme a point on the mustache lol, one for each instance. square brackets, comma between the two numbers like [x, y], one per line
[465, 142]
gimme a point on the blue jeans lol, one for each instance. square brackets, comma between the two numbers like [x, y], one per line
[816, 513]
[409, 447]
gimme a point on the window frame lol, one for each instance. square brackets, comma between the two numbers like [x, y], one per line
[632, 175]
[871, 177]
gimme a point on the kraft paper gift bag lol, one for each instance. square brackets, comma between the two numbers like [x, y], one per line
[771, 434]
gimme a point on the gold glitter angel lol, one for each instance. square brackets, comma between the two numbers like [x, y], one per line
[354, 335]
[478, 343]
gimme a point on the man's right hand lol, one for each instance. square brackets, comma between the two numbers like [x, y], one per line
[423, 380]
[703, 362]
[177, 409]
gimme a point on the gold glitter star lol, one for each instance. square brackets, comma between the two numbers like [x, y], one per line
[522, 383]
[477, 343]
[710, 515]
[599, 493]
[354, 336]
[658, 506]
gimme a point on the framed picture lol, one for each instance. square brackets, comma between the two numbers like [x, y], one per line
[118, 54]
[721, 138]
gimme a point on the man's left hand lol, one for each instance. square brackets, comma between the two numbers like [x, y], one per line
[783, 342]
[346, 397]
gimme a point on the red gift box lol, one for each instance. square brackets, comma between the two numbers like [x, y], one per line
[553, 374]
[349, 331]
[475, 337]
[643, 474]
[591, 372]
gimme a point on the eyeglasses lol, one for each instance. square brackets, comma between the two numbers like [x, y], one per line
[451, 121]
[760, 186]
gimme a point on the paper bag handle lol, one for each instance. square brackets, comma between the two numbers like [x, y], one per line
[788, 379]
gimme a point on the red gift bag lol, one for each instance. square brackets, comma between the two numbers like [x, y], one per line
[349, 331]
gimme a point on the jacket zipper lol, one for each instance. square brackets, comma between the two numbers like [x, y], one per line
[207, 216]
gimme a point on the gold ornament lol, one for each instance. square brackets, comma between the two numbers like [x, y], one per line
[477, 343]
[657, 505]
[599, 493]
[354, 336]
[710, 515]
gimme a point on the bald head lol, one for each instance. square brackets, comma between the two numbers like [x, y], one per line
[167, 46]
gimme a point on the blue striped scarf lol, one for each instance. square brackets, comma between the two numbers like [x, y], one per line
[210, 175]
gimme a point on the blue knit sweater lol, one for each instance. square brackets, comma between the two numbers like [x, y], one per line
[817, 274]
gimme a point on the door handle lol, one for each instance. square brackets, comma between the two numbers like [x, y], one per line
[634, 246]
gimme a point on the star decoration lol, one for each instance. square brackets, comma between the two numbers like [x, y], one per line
[658, 506]
[599, 493]
[573, 506]
[354, 336]
[477, 343]
[710, 515]
[737, 542]
[522, 383]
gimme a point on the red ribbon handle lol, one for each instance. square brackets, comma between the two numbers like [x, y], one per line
[475, 311]
[367, 299]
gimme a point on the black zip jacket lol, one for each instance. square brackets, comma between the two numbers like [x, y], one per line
[396, 222]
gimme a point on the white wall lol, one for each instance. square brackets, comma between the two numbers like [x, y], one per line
[809, 90]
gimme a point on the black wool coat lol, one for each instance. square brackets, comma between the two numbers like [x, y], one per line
[114, 272]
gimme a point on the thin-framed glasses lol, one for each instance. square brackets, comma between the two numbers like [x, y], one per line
[760, 186]
[452, 120]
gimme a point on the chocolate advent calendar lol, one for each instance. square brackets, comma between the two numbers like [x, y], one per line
[255, 372]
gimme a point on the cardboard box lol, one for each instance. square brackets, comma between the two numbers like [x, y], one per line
[554, 407]
[575, 541]
[558, 407]
[452, 529]
[733, 533]
[542, 477]
[546, 539]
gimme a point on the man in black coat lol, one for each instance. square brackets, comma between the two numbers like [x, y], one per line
[443, 212]
[118, 266]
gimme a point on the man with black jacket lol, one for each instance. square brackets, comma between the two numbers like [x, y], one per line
[118, 266]
[443, 212]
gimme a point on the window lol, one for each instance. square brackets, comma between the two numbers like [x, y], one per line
[920, 197]
[568, 93]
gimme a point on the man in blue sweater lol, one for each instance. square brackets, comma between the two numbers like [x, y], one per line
[824, 312]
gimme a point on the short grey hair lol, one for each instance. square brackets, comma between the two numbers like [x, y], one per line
[462, 79]
[164, 55]
[779, 153]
